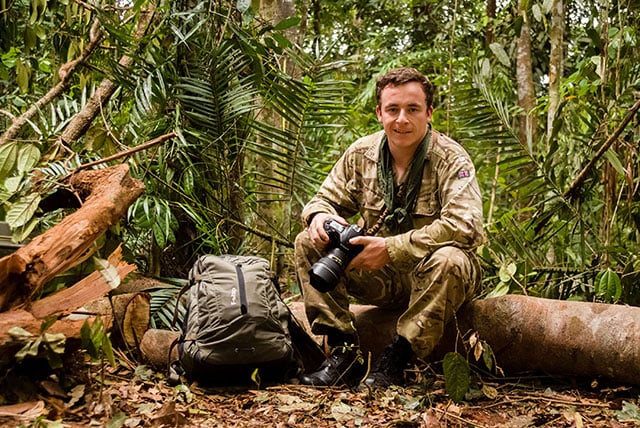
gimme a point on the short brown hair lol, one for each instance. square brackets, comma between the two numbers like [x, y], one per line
[402, 75]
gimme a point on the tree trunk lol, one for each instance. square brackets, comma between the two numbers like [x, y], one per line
[490, 9]
[524, 78]
[556, 35]
[272, 208]
[107, 194]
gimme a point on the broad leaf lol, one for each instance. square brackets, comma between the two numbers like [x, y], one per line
[23, 210]
[456, 376]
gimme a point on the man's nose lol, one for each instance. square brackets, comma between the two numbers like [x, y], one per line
[402, 116]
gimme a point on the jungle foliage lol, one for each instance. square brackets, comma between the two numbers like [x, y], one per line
[263, 107]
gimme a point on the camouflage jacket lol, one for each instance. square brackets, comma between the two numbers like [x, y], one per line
[448, 210]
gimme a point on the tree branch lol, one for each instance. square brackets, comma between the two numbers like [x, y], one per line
[65, 73]
[574, 188]
[79, 124]
[124, 153]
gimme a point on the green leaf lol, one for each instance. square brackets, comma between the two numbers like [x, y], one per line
[23, 210]
[159, 235]
[287, 23]
[456, 376]
[28, 157]
[243, 5]
[117, 420]
[629, 412]
[56, 342]
[506, 272]
[8, 157]
[501, 289]
[19, 332]
[12, 184]
[537, 13]
[87, 343]
[48, 322]
[21, 233]
[608, 285]
[29, 349]
[487, 356]
[615, 162]
[107, 349]
[255, 377]
[500, 53]
[22, 76]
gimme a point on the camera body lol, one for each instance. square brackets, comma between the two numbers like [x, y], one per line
[326, 272]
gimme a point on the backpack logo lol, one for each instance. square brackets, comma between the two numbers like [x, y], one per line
[234, 296]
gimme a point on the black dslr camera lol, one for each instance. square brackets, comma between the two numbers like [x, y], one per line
[325, 273]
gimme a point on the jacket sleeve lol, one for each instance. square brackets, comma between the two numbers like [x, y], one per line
[336, 195]
[460, 223]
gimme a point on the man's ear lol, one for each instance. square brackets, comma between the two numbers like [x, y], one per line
[379, 113]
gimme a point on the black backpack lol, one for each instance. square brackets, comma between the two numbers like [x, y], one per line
[236, 323]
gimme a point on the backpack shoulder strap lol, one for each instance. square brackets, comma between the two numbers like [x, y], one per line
[183, 290]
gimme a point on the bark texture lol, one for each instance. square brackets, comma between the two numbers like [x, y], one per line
[107, 193]
[560, 337]
[524, 79]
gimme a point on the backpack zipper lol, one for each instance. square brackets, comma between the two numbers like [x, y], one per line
[243, 292]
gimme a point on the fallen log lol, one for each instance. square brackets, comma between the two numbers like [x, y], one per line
[156, 348]
[88, 289]
[560, 337]
[530, 334]
[107, 194]
[63, 305]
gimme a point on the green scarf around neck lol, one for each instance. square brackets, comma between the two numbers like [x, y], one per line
[400, 206]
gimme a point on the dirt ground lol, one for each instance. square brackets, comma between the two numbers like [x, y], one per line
[91, 394]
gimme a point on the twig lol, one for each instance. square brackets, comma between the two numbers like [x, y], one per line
[124, 153]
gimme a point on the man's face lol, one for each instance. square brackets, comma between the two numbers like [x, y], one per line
[404, 115]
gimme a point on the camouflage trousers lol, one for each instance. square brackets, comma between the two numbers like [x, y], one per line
[429, 295]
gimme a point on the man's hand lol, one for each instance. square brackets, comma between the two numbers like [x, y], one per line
[373, 256]
[317, 234]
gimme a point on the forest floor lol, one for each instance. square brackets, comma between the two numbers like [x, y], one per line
[130, 395]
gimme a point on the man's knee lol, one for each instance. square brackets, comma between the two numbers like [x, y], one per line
[451, 266]
[446, 258]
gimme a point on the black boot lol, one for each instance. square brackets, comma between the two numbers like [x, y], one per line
[389, 368]
[344, 365]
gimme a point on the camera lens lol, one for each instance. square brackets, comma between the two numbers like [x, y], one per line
[325, 273]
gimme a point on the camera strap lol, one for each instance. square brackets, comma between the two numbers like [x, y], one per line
[376, 227]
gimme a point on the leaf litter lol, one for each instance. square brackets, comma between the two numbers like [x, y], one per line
[132, 395]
